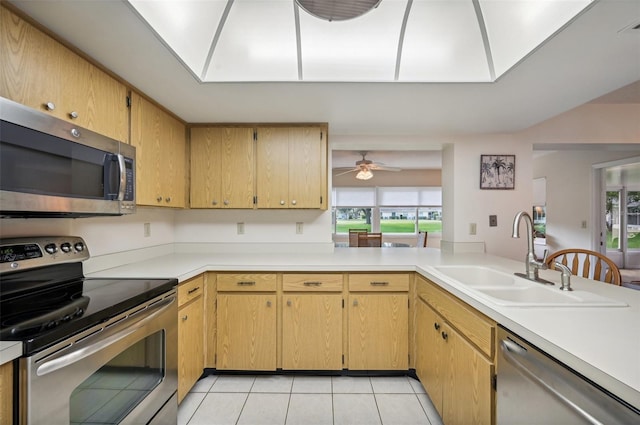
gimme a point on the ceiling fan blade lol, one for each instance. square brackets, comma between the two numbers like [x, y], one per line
[351, 170]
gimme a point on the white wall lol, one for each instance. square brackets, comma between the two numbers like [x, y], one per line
[570, 195]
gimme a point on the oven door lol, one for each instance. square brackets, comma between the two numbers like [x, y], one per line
[123, 371]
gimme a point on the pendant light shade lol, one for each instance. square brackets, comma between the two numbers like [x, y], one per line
[337, 10]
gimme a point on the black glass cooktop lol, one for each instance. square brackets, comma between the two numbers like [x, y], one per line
[45, 306]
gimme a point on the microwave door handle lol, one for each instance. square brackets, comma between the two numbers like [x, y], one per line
[123, 177]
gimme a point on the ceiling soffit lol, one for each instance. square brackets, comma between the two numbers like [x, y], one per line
[399, 40]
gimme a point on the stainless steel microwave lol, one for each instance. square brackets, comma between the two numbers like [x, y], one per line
[52, 168]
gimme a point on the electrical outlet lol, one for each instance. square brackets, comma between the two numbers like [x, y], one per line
[472, 228]
[299, 228]
[240, 227]
[147, 230]
[493, 220]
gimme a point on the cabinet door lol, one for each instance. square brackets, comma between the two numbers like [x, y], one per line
[306, 164]
[312, 332]
[146, 130]
[467, 392]
[246, 337]
[378, 331]
[190, 346]
[272, 164]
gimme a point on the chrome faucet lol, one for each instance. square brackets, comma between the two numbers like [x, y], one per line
[532, 265]
[565, 279]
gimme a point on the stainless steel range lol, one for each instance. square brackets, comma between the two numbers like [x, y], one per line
[95, 350]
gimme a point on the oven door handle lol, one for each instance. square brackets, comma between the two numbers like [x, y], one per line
[81, 353]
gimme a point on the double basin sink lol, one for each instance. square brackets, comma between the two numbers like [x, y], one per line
[509, 290]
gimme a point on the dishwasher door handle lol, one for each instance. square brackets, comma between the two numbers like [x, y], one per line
[513, 353]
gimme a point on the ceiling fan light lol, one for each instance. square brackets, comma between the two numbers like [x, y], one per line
[364, 175]
[337, 10]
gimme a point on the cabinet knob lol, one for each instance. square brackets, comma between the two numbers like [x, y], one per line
[214, 202]
[268, 303]
[355, 302]
[75, 133]
[50, 106]
[294, 202]
[436, 326]
[167, 199]
[281, 202]
[73, 115]
[185, 317]
[159, 199]
[445, 336]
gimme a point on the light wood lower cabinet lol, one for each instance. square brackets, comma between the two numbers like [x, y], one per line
[190, 334]
[456, 373]
[312, 322]
[378, 321]
[246, 338]
[6, 393]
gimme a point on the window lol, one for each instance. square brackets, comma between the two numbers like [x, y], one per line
[397, 210]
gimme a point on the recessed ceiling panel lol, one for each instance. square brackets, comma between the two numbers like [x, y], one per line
[360, 49]
[517, 27]
[443, 42]
[187, 26]
[257, 43]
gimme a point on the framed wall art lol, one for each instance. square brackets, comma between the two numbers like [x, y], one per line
[497, 171]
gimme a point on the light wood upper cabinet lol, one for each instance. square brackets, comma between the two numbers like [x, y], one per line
[160, 144]
[222, 167]
[190, 334]
[41, 73]
[292, 167]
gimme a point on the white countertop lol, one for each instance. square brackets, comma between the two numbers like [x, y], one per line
[601, 343]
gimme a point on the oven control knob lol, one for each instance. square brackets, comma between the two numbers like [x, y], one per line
[51, 248]
[65, 247]
[79, 246]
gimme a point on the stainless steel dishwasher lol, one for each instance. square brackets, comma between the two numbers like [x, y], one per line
[534, 388]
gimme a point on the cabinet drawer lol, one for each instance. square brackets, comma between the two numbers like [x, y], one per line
[316, 282]
[190, 289]
[246, 282]
[384, 282]
[475, 326]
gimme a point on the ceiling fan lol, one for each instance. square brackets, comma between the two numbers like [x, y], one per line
[365, 166]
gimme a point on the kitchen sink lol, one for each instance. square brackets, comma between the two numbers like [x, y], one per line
[474, 276]
[506, 289]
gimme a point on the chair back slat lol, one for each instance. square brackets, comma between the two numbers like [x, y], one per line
[588, 264]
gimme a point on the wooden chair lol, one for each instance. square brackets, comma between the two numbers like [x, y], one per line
[369, 239]
[422, 239]
[588, 264]
[353, 236]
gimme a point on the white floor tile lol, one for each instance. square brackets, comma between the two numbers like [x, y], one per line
[355, 409]
[351, 385]
[265, 409]
[391, 385]
[219, 409]
[188, 406]
[400, 409]
[204, 384]
[430, 409]
[232, 384]
[272, 384]
[310, 409]
[417, 386]
[312, 384]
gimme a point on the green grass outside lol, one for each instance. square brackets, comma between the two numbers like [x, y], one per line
[390, 226]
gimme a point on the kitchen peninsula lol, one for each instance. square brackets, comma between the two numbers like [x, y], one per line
[600, 343]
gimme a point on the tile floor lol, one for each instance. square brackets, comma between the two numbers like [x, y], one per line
[307, 400]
